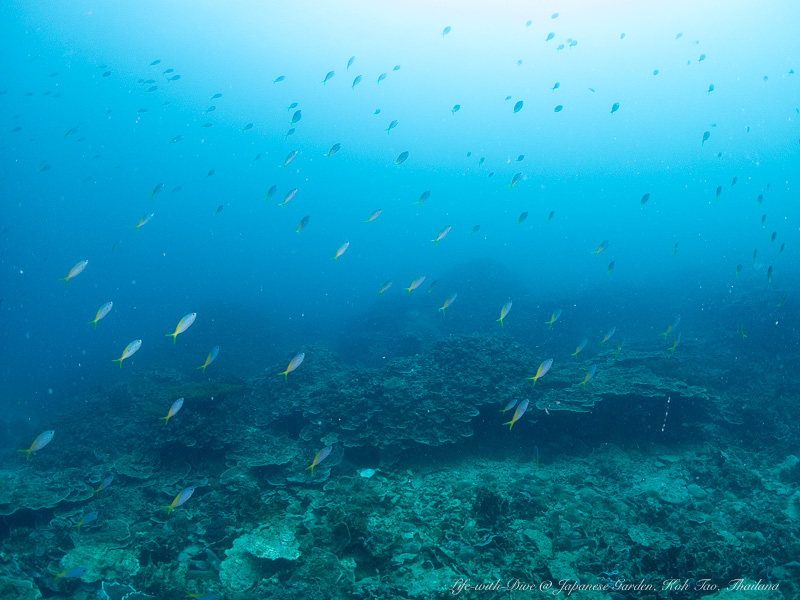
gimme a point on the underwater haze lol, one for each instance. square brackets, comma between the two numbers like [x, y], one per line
[351, 234]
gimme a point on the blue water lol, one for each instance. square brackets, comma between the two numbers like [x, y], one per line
[264, 291]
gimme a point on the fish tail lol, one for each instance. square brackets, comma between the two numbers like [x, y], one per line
[174, 336]
[285, 375]
[92, 323]
[510, 424]
[119, 360]
[168, 508]
[535, 379]
[165, 419]
[501, 321]
[408, 290]
[27, 453]
[202, 367]
[65, 280]
[442, 309]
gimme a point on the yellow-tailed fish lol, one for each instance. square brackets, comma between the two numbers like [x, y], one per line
[589, 374]
[675, 322]
[676, 342]
[293, 364]
[442, 232]
[303, 223]
[270, 193]
[741, 331]
[515, 180]
[73, 573]
[342, 249]
[210, 358]
[373, 215]
[40, 442]
[504, 312]
[103, 485]
[101, 312]
[289, 195]
[738, 270]
[553, 318]
[89, 517]
[608, 335]
[143, 221]
[415, 284]
[424, 196]
[401, 158]
[542, 370]
[511, 404]
[783, 300]
[182, 497]
[129, 351]
[321, 455]
[620, 344]
[386, 285]
[289, 158]
[173, 410]
[75, 271]
[334, 149]
[580, 347]
[523, 406]
[183, 325]
[432, 285]
[603, 245]
[448, 302]
[769, 274]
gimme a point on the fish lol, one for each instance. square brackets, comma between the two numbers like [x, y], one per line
[448, 302]
[373, 215]
[755, 254]
[247, 127]
[481, 160]
[40, 442]
[350, 62]
[415, 284]
[291, 106]
[718, 193]
[211, 173]
[706, 135]
[381, 77]
[271, 192]
[303, 223]
[554, 16]
[215, 96]
[620, 344]
[377, 111]
[773, 236]
[321, 455]
[446, 30]
[520, 158]
[580, 347]
[424, 196]
[432, 285]
[101, 312]
[392, 125]
[103, 485]
[783, 245]
[401, 158]
[328, 76]
[168, 71]
[212, 356]
[673, 324]
[504, 312]
[703, 57]
[518, 106]
[675, 249]
[155, 62]
[73, 573]
[603, 245]
[521, 408]
[561, 47]
[334, 149]
[341, 250]
[522, 217]
[86, 518]
[542, 370]
[558, 108]
[206, 125]
[610, 267]
[183, 325]
[511, 404]
[386, 285]
[289, 132]
[442, 232]
[173, 78]
[289, 195]
[74, 271]
[741, 331]
[589, 374]
[614, 107]
[211, 108]
[738, 270]
[675, 343]
[173, 410]
[279, 78]
[551, 215]
[298, 114]
[553, 318]
[293, 364]
[556, 86]
[182, 497]
[710, 88]
[644, 199]
[475, 229]
[143, 221]
[679, 36]
[151, 89]
[455, 109]
[157, 189]
[608, 335]
[549, 37]
[289, 158]
[107, 73]
[733, 181]
[536, 459]
[622, 36]
[356, 81]
[655, 71]
[396, 68]
[515, 180]
[769, 274]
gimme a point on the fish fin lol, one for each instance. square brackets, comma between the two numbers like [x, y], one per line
[65, 280]
[119, 360]
[27, 452]
[174, 336]
[165, 419]
[92, 323]
[202, 367]
[510, 424]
